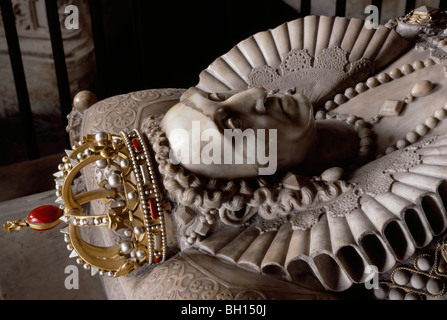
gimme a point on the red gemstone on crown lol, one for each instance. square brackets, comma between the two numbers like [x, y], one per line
[44, 215]
[154, 213]
[136, 145]
[157, 259]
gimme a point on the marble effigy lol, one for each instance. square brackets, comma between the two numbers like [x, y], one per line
[367, 194]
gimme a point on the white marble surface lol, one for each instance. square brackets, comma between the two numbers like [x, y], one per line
[32, 263]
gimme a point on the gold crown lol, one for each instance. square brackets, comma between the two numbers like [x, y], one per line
[132, 189]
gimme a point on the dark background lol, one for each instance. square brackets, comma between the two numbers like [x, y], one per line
[143, 44]
[177, 39]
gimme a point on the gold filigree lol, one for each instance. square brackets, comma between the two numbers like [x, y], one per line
[15, 225]
[443, 250]
[433, 272]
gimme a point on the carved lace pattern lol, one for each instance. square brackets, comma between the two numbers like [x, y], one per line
[332, 58]
[178, 280]
[380, 179]
[264, 76]
[271, 225]
[155, 94]
[438, 54]
[375, 181]
[408, 159]
[296, 60]
[360, 66]
[344, 205]
[305, 220]
[358, 69]
[120, 112]
[300, 62]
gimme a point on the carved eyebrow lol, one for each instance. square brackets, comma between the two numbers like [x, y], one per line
[193, 106]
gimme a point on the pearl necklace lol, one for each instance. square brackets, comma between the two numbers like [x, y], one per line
[414, 136]
[365, 134]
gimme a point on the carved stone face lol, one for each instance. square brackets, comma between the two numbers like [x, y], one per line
[199, 126]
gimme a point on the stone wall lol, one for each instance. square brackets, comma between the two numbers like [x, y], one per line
[34, 37]
[35, 44]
